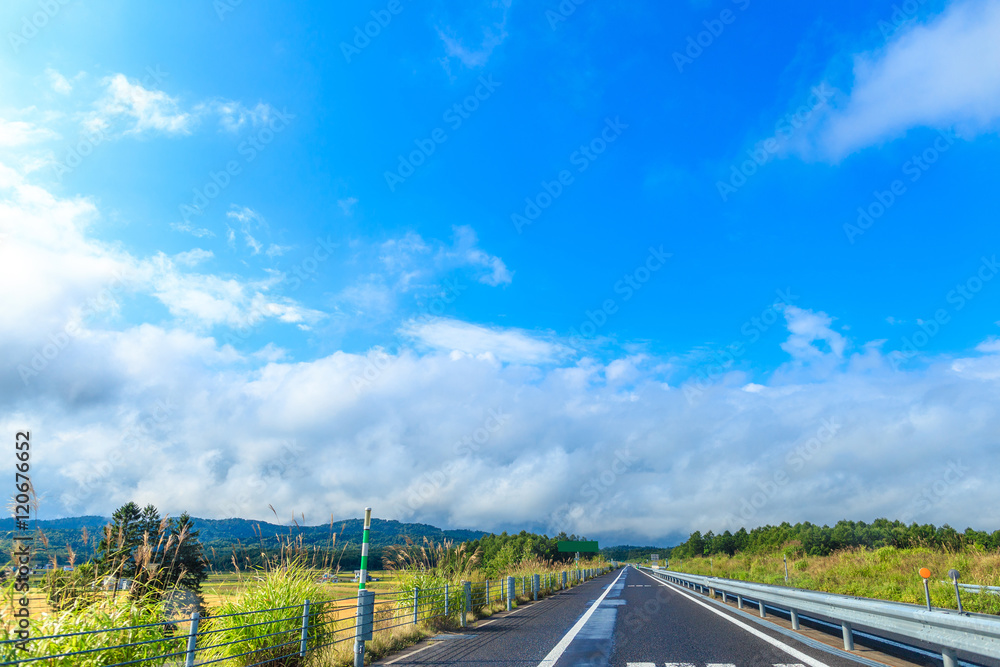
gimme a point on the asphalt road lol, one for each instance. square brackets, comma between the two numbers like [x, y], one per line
[625, 619]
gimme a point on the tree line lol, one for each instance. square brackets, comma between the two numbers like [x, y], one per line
[813, 540]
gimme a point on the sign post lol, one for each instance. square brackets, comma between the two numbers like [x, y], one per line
[364, 627]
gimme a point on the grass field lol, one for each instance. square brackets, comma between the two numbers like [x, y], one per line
[886, 574]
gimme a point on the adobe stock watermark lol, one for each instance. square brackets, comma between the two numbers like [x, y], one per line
[381, 18]
[223, 7]
[61, 339]
[765, 150]
[902, 15]
[883, 200]
[455, 116]
[429, 485]
[697, 43]
[935, 492]
[378, 360]
[565, 518]
[796, 460]
[91, 139]
[563, 11]
[247, 149]
[34, 22]
[581, 158]
[134, 437]
[752, 330]
[958, 298]
[629, 284]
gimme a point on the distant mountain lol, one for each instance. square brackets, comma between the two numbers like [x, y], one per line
[244, 537]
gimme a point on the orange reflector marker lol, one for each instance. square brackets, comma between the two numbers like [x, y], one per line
[925, 573]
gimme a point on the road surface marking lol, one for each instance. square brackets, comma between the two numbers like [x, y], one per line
[559, 648]
[808, 660]
[391, 662]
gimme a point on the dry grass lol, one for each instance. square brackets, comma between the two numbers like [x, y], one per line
[886, 574]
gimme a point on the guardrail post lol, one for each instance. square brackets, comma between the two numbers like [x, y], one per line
[416, 604]
[950, 657]
[446, 599]
[535, 586]
[795, 618]
[510, 593]
[488, 601]
[305, 630]
[711, 592]
[848, 636]
[564, 580]
[192, 639]
[763, 612]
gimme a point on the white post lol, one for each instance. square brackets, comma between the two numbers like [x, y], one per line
[192, 640]
[305, 630]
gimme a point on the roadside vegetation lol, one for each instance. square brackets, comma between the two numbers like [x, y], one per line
[147, 574]
[879, 560]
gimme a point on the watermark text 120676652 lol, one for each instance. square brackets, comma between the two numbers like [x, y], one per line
[22, 538]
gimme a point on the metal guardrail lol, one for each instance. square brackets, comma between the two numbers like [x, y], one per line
[270, 635]
[946, 629]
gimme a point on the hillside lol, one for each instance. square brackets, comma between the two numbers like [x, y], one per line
[246, 538]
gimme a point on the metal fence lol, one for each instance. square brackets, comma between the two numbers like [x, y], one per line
[946, 629]
[285, 635]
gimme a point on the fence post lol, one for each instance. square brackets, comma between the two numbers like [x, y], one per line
[416, 603]
[192, 639]
[468, 596]
[488, 601]
[446, 599]
[510, 592]
[534, 586]
[462, 619]
[305, 630]
[564, 580]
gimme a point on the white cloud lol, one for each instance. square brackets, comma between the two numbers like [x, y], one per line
[347, 205]
[485, 29]
[137, 110]
[21, 133]
[193, 257]
[806, 329]
[234, 116]
[199, 232]
[58, 82]
[249, 221]
[509, 345]
[940, 75]
[466, 253]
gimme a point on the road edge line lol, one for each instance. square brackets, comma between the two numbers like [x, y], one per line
[795, 653]
[808, 641]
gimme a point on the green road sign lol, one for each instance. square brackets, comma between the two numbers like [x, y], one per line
[582, 547]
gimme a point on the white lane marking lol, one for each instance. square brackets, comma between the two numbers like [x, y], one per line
[679, 664]
[719, 664]
[808, 660]
[641, 664]
[559, 648]
[412, 653]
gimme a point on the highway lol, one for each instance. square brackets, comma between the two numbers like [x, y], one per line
[624, 619]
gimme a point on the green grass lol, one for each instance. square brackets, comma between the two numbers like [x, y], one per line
[885, 574]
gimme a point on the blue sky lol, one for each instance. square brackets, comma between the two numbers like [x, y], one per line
[621, 251]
